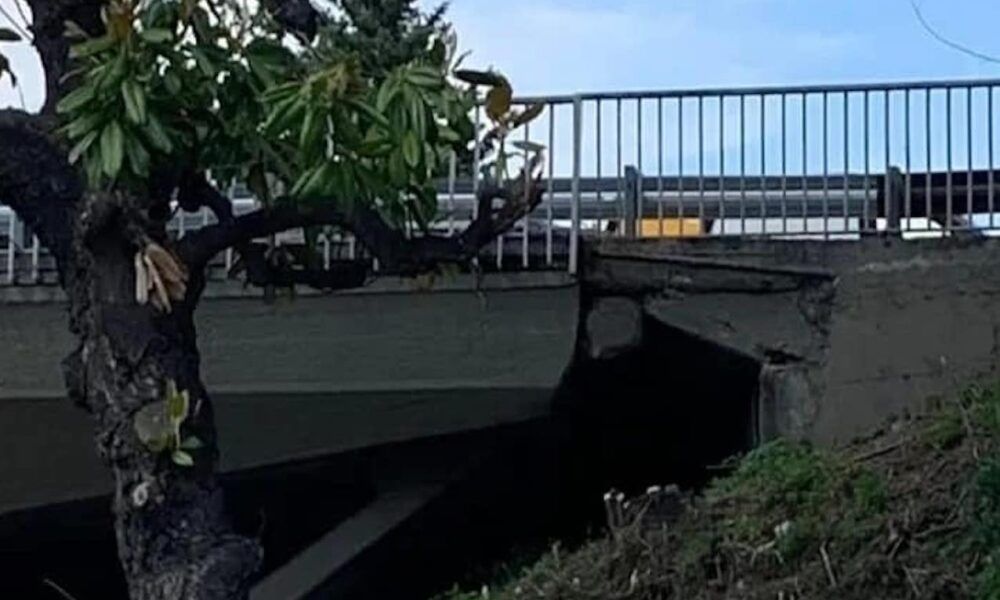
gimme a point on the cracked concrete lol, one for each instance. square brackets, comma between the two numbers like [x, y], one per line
[847, 334]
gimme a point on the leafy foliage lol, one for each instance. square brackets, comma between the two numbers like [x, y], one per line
[158, 426]
[214, 87]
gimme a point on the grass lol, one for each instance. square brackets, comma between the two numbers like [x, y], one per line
[910, 512]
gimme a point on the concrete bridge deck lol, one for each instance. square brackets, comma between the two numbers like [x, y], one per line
[305, 378]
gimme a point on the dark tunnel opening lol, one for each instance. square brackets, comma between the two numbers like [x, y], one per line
[668, 411]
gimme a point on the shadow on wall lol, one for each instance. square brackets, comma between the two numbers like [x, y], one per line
[665, 410]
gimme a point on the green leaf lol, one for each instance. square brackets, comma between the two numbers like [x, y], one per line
[83, 124]
[152, 426]
[312, 127]
[76, 99]
[369, 111]
[82, 146]
[411, 148]
[418, 116]
[204, 63]
[448, 135]
[386, 94]
[156, 35]
[138, 156]
[158, 135]
[425, 77]
[178, 403]
[192, 443]
[173, 83]
[182, 458]
[135, 102]
[285, 114]
[311, 182]
[112, 77]
[91, 47]
[112, 149]
[397, 169]
[9, 35]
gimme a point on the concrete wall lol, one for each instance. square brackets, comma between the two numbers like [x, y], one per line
[848, 334]
[303, 378]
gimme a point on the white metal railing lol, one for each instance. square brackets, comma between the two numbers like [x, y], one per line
[914, 159]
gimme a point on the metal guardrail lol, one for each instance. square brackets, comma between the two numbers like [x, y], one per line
[914, 159]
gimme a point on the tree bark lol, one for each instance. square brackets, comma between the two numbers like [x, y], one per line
[174, 540]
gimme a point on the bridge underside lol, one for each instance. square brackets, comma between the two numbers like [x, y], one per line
[845, 335]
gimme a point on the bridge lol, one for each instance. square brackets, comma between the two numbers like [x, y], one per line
[728, 265]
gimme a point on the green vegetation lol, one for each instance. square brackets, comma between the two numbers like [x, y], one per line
[911, 512]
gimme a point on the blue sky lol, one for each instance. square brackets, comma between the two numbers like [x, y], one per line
[559, 46]
[566, 46]
[562, 46]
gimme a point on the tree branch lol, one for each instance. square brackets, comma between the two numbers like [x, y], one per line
[49, 28]
[37, 182]
[396, 252]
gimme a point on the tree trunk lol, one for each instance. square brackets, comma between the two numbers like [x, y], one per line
[174, 540]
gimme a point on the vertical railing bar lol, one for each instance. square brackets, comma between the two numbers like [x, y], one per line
[868, 160]
[989, 144]
[784, 166]
[231, 195]
[743, 167]
[525, 233]
[659, 165]
[701, 167]
[575, 203]
[499, 242]
[36, 247]
[826, 167]
[949, 163]
[618, 173]
[805, 162]
[928, 188]
[639, 208]
[452, 175]
[476, 159]
[551, 189]
[11, 248]
[680, 160]
[763, 165]
[847, 161]
[888, 182]
[500, 251]
[907, 211]
[722, 165]
[968, 158]
[600, 193]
